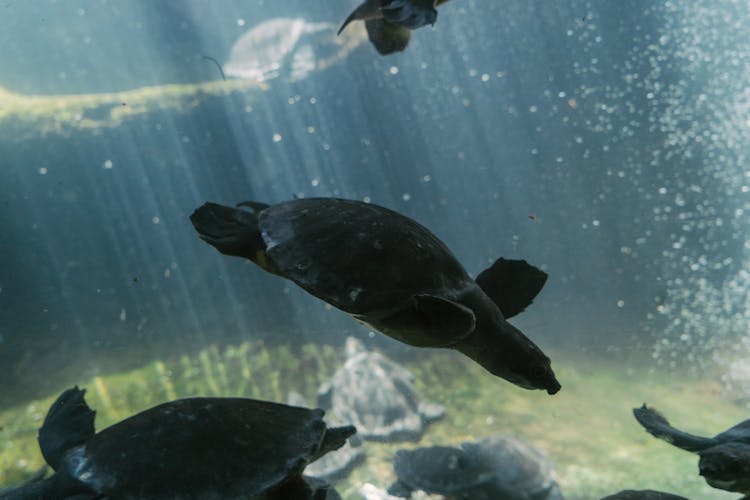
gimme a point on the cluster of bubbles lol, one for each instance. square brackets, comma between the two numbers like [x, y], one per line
[694, 174]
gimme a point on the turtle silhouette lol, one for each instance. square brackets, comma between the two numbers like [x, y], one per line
[391, 273]
[389, 22]
[643, 495]
[724, 459]
[494, 468]
[191, 448]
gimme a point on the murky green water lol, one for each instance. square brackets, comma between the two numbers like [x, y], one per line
[587, 428]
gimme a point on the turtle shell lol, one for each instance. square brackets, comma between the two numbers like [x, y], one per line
[500, 467]
[358, 257]
[200, 448]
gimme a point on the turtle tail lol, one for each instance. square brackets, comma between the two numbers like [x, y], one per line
[233, 231]
[658, 426]
[69, 423]
[334, 439]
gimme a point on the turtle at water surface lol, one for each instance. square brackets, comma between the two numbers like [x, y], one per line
[389, 22]
[494, 468]
[724, 459]
[192, 448]
[377, 396]
[391, 273]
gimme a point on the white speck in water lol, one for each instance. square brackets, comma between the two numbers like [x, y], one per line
[620, 303]
[371, 334]
[532, 109]
[123, 314]
[277, 137]
[485, 77]
[155, 219]
[595, 222]
[426, 178]
[354, 293]
[313, 100]
[406, 197]
[393, 70]
[366, 199]
[662, 190]
[167, 273]
[43, 171]
[185, 139]
[310, 130]
[240, 22]
[107, 164]
[315, 181]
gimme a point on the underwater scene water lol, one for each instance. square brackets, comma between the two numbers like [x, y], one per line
[600, 148]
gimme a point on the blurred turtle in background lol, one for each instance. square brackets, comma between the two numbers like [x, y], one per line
[643, 495]
[389, 22]
[724, 459]
[291, 48]
[377, 396]
[391, 273]
[187, 448]
[494, 468]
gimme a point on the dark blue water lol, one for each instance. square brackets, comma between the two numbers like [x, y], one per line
[597, 140]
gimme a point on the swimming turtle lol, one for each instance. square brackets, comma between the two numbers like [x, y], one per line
[724, 459]
[292, 47]
[389, 22]
[187, 448]
[391, 273]
[377, 395]
[494, 468]
[727, 467]
[643, 495]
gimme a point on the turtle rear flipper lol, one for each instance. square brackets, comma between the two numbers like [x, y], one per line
[426, 321]
[369, 9]
[233, 231]
[511, 284]
[69, 423]
[658, 426]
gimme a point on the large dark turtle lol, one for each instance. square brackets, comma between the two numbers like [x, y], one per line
[389, 22]
[391, 273]
[643, 495]
[724, 459]
[495, 468]
[198, 448]
[377, 396]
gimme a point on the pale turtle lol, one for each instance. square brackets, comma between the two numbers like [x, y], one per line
[389, 22]
[377, 396]
[195, 448]
[493, 468]
[288, 46]
[391, 273]
[724, 459]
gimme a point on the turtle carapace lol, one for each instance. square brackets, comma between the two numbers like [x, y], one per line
[188, 448]
[391, 273]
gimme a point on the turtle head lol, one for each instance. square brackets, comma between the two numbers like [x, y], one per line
[507, 353]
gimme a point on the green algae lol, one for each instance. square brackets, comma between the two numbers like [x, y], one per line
[587, 429]
[24, 115]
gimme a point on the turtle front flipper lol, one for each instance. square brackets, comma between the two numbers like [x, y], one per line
[511, 284]
[658, 426]
[409, 14]
[234, 231]
[69, 423]
[425, 321]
